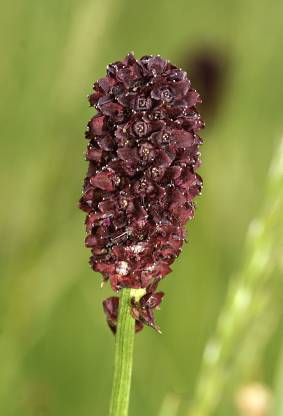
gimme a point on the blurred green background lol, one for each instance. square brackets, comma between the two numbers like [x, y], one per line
[56, 352]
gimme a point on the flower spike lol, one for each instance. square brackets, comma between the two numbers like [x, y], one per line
[143, 153]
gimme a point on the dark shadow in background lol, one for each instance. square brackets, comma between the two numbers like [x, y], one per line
[208, 68]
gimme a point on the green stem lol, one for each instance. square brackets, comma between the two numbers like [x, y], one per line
[123, 357]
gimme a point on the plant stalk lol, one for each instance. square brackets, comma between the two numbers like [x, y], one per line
[123, 357]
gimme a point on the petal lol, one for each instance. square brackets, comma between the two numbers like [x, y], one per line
[106, 143]
[113, 110]
[177, 75]
[106, 83]
[107, 206]
[118, 90]
[92, 219]
[128, 154]
[90, 240]
[162, 268]
[104, 268]
[93, 98]
[140, 214]
[182, 138]
[187, 178]
[127, 100]
[156, 65]
[124, 75]
[104, 100]
[93, 154]
[121, 131]
[173, 172]
[192, 98]
[103, 180]
[181, 88]
[184, 214]
[156, 93]
[147, 317]
[177, 198]
[96, 125]
[120, 222]
[130, 59]
[163, 158]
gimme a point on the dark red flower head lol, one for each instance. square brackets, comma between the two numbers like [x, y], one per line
[143, 153]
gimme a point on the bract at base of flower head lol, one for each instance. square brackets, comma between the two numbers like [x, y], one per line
[141, 310]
